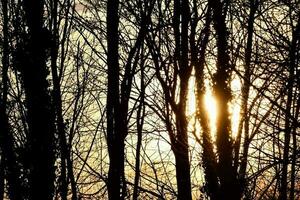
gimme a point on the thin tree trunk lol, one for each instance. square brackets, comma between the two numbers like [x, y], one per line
[114, 143]
[66, 164]
[288, 128]
[181, 146]
[118, 101]
[293, 166]
[244, 115]
[294, 125]
[1, 178]
[140, 123]
[295, 146]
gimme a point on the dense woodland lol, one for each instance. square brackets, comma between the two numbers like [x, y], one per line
[150, 99]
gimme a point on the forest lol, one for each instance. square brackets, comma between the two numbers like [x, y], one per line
[149, 99]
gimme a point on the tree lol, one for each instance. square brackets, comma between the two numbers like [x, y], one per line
[181, 71]
[40, 120]
[9, 163]
[109, 99]
[115, 139]
[119, 94]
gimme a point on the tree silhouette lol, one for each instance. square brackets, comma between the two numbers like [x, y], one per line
[108, 99]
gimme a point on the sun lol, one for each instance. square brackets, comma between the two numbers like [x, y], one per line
[211, 107]
[191, 99]
[209, 100]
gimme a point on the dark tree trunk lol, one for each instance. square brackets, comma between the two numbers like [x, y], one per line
[117, 101]
[208, 155]
[66, 168]
[181, 153]
[1, 178]
[244, 115]
[38, 101]
[9, 165]
[283, 190]
[140, 123]
[295, 145]
[114, 140]
[180, 146]
[229, 186]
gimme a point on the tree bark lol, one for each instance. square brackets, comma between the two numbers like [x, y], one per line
[140, 123]
[9, 166]
[244, 115]
[66, 168]
[114, 141]
[283, 190]
[38, 101]
[209, 160]
[180, 146]
[229, 187]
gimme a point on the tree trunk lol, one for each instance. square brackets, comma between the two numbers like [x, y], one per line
[180, 146]
[229, 187]
[208, 155]
[1, 179]
[9, 165]
[66, 164]
[244, 115]
[283, 191]
[114, 140]
[39, 117]
[140, 123]
[182, 162]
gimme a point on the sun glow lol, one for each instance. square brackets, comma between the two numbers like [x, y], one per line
[209, 101]
[211, 105]
[211, 109]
